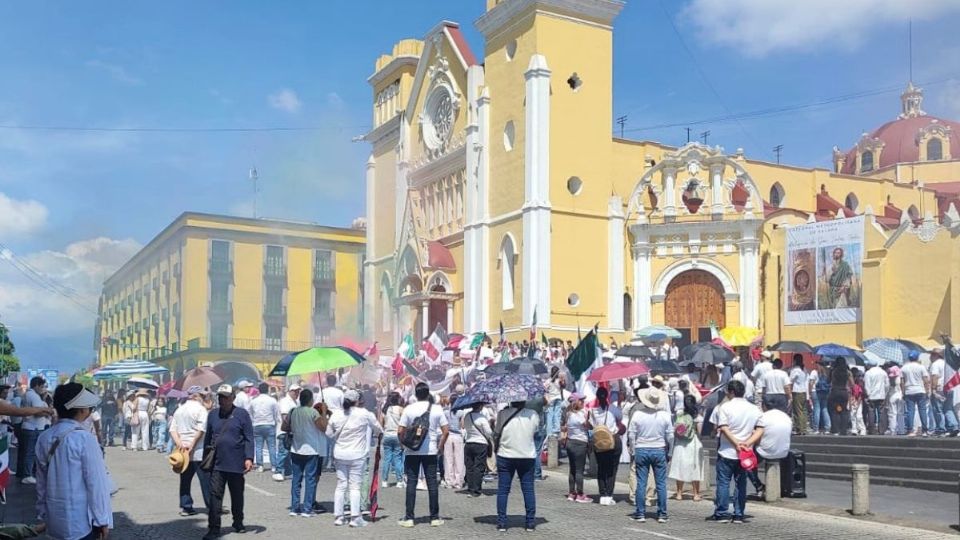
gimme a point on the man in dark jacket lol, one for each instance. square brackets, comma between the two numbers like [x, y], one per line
[230, 435]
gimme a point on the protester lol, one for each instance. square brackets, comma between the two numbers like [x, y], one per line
[109, 410]
[453, 465]
[798, 392]
[650, 434]
[685, 463]
[838, 400]
[350, 431]
[877, 385]
[941, 404]
[821, 394]
[857, 426]
[606, 420]
[140, 421]
[265, 415]
[187, 430]
[308, 447]
[895, 403]
[289, 402]
[432, 437]
[574, 430]
[916, 391]
[129, 412]
[73, 489]
[31, 429]
[243, 398]
[775, 386]
[392, 449]
[158, 416]
[772, 440]
[736, 421]
[477, 437]
[229, 436]
[516, 454]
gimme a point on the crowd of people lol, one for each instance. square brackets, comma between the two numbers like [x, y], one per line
[655, 425]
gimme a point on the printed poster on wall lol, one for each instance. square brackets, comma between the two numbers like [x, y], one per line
[824, 272]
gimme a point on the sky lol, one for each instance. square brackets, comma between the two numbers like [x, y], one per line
[75, 204]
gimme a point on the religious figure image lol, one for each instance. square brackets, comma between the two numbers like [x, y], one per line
[801, 269]
[839, 284]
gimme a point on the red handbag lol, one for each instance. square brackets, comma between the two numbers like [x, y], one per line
[748, 460]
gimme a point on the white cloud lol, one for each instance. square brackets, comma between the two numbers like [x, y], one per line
[761, 27]
[334, 100]
[285, 100]
[116, 72]
[80, 269]
[21, 216]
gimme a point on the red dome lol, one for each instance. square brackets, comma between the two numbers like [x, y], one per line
[899, 139]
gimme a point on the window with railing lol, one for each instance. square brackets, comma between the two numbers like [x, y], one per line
[220, 257]
[219, 297]
[273, 337]
[323, 265]
[323, 304]
[273, 265]
[273, 303]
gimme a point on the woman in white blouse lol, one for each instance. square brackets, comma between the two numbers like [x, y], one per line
[573, 433]
[351, 430]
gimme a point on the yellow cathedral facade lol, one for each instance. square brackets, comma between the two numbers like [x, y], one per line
[498, 194]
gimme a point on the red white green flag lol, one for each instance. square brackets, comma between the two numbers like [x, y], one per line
[4, 461]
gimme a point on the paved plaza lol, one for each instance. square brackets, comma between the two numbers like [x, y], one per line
[146, 507]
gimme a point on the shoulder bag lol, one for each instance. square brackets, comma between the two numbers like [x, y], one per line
[498, 433]
[474, 424]
[210, 452]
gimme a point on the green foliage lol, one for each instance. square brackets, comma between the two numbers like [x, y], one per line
[8, 360]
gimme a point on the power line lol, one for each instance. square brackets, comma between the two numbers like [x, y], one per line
[43, 281]
[173, 129]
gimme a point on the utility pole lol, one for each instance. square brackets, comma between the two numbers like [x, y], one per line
[255, 177]
[622, 120]
[777, 150]
[704, 136]
[688, 135]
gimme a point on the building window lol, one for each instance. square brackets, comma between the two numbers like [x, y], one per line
[274, 337]
[627, 311]
[273, 265]
[218, 336]
[777, 194]
[219, 296]
[508, 255]
[866, 161]
[323, 303]
[934, 149]
[274, 301]
[323, 265]
[220, 250]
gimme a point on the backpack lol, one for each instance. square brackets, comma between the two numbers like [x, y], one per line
[603, 438]
[414, 435]
[822, 386]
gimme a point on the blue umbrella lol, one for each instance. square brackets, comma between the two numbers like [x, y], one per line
[832, 349]
[501, 389]
[890, 350]
[127, 368]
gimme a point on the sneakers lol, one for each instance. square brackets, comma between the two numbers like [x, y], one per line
[572, 497]
[29, 480]
[339, 521]
[277, 477]
[607, 501]
[306, 514]
[639, 519]
[260, 468]
[406, 523]
[384, 484]
[421, 486]
[501, 528]
[737, 521]
[359, 522]
[436, 522]
[401, 485]
[584, 499]
[661, 519]
[293, 513]
[187, 512]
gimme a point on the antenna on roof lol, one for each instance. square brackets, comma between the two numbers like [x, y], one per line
[910, 47]
[254, 177]
[777, 150]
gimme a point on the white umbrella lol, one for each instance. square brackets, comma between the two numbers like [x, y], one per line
[140, 382]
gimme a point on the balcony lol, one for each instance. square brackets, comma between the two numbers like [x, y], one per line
[241, 344]
[324, 277]
[221, 268]
[275, 271]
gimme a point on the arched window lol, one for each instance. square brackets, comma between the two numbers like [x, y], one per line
[866, 161]
[852, 202]
[627, 311]
[508, 256]
[934, 149]
[777, 194]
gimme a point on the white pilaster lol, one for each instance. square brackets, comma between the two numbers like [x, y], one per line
[471, 273]
[716, 185]
[536, 208]
[482, 314]
[402, 186]
[642, 284]
[425, 319]
[669, 191]
[370, 311]
[749, 278]
[615, 279]
[450, 322]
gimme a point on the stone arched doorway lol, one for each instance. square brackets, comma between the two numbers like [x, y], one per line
[694, 299]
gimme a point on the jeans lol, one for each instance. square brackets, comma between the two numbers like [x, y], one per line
[577, 457]
[913, 401]
[160, 434]
[349, 475]
[27, 452]
[282, 465]
[645, 459]
[392, 459]
[943, 417]
[411, 466]
[304, 472]
[475, 462]
[538, 439]
[453, 466]
[607, 464]
[265, 434]
[220, 480]
[876, 419]
[554, 412]
[821, 413]
[186, 484]
[728, 469]
[108, 425]
[506, 467]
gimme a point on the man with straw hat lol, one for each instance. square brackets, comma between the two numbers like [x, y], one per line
[650, 434]
[187, 429]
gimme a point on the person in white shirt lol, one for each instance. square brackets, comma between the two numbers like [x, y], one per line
[798, 394]
[762, 366]
[574, 435]
[895, 405]
[916, 392]
[736, 420]
[187, 428]
[332, 397]
[141, 431]
[243, 399]
[771, 438]
[650, 434]
[516, 453]
[289, 402]
[876, 385]
[477, 436]
[265, 414]
[424, 457]
[350, 430]
[738, 374]
[31, 429]
[944, 420]
[776, 387]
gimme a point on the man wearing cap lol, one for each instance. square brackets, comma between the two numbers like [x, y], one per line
[73, 489]
[915, 380]
[289, 402]
[187, 429]
[243, 398]
[230, 436]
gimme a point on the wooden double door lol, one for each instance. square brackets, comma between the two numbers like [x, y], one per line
[695, 299]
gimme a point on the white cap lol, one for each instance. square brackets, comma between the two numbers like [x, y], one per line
[351, 395]
[293, 388]
[767, 354]
[244, 384]
[225, 390]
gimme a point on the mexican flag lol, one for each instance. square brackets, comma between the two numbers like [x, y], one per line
[584, 359]
[436, 343]
[404, 352]
[4, 461]
[474, 341]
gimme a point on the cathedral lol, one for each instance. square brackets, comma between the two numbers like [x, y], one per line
[498, 195]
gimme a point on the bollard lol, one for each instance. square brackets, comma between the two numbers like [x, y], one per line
[708, 474]
[771, 492]
[553, 452]
[861, 489]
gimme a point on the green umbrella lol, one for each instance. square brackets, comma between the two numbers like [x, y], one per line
[316, 360]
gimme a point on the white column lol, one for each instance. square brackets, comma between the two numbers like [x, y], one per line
[615, 284]
[401, 182]
[536, 259]
[370, 311]
[716, 184]
[642, 284]
[669, 191]
[749, 279]
[450, 321]
[472, 293]
[425, 319]
[482, 314]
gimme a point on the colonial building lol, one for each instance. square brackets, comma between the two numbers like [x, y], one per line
[211, 289]
[496, 193]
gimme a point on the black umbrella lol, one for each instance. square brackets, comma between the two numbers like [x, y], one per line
[635, 351]
[706, 353]
[522, 366]
[659, 367]
[792, 346]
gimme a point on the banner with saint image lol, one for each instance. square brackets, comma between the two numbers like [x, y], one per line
[824, 272]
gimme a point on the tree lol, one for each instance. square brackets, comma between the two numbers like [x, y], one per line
[8, 359]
